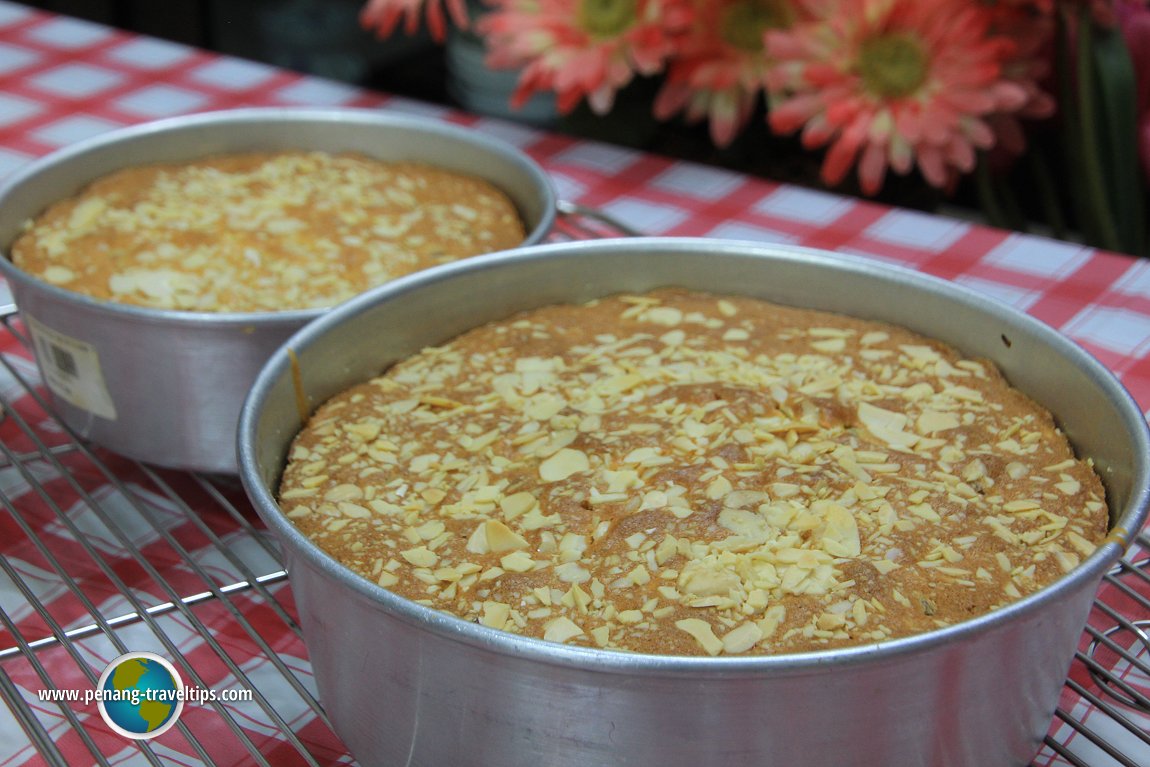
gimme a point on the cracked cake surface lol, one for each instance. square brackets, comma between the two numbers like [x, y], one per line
[684, 473]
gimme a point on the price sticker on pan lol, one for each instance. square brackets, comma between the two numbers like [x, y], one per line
[71, 370]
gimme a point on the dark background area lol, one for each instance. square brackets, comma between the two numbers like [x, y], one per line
[323, 38]
[320, 37]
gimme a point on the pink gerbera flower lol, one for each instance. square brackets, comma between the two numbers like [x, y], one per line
[383, 16]
[719, 72]
[581, 49]
[892, 83]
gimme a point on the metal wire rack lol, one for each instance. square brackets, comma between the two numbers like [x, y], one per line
[100, 555]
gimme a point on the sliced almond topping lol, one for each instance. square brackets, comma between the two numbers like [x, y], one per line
[932, 421]
[918, 392]
[501, 538]
[477, 543]
[561, 629]
[718, 487]
[703, 634]
[344, 492]
[1016, 470]
[703, 581]
[518, 504]
[571, 547]
[353, 510]
[384, 508]
[741, 499]
[830, 621]
[420, 556]
[663, 315]
[576, 598]
[1083, 546]
[1066, 560]
[517, 562]
[563, 464]
[829, 345]
[572, 572]
[365, 431]
[742, 638]
[495, 614]
[58, 275]
[1026, 504]
[785, 489]
[1069, 486]
[841, 534]
[887, 425]
[736, 334]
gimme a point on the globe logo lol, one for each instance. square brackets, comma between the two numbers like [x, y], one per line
[140, 695]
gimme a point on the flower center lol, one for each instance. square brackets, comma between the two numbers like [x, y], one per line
[607, 18]
[892, 66]
[743, 24]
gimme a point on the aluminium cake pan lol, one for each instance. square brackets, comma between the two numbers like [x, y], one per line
[166, 386]
[405, 684]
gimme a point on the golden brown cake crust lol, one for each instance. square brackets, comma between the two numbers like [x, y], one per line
[262, 231]
[687, 474]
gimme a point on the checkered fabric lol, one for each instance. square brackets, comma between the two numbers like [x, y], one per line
[77, 521]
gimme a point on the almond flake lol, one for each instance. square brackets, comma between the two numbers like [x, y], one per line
[495, 614]
[742, 638]
[561, 629]
[829, 345]
[1069, 487]
[932, 421]
[420, 556]
[663, 315]
[702, 633]
[563, 464]
[517, 504]
[841, 534]
[517, 562]
[887, 425]
[501, 538]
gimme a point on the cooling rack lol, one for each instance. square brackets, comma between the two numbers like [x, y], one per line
[100, 555]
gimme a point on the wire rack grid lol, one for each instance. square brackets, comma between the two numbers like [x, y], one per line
[100, 555]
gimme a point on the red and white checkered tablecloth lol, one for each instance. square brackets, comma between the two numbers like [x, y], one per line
[62, 80]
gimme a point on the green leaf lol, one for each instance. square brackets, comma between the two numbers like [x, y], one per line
[1070, 134]
[1099, 222]
[1115, 114]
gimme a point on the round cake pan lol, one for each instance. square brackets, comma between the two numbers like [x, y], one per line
[404, 684]
[166, 386]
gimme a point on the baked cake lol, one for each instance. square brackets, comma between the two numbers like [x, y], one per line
[262, 231]
[682, 473]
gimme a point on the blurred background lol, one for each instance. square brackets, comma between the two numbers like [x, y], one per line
[324, 38]
[1062, 129]
[320, 37]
